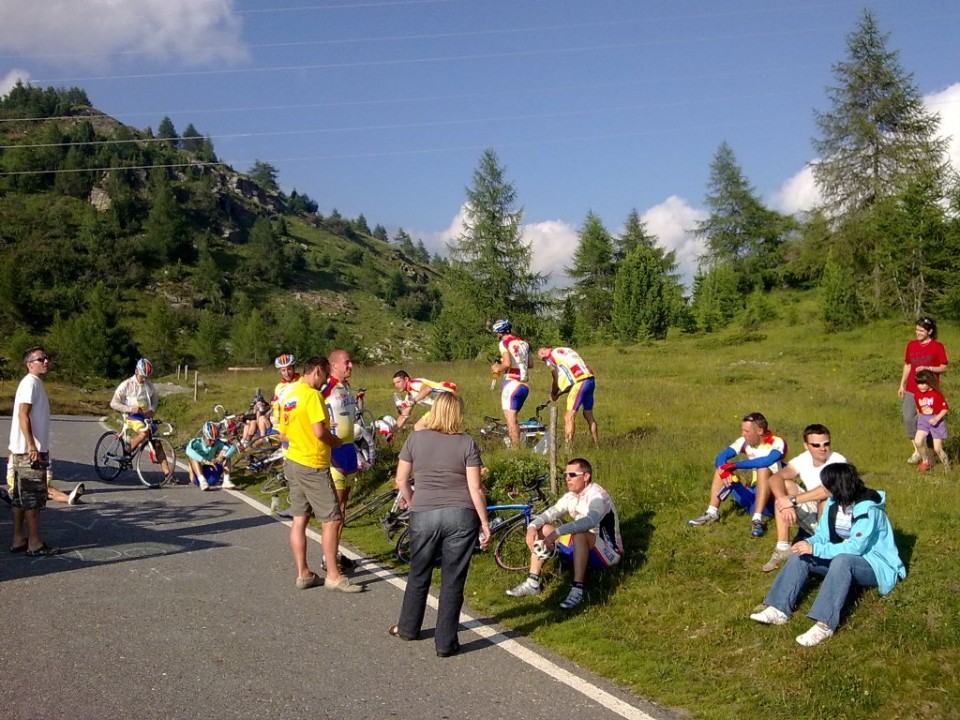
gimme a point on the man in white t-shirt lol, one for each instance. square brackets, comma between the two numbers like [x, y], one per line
[797, 490]
[30, 455]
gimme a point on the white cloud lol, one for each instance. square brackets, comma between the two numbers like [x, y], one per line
[553, 243]
[673, 221]
[84, 32]
[947, 104]
[798, 194]
[8, 81]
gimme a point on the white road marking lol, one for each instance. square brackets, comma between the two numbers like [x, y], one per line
[484, 630]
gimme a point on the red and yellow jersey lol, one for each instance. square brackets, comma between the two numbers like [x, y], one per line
[302, 408]
[519, 351]
[416, 386]
[570, 367]
[279, 392]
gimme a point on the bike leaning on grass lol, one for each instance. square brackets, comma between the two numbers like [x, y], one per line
[112, 455]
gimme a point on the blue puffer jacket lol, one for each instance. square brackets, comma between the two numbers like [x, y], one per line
[871, 536]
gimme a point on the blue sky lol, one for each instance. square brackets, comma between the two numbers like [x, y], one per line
[383, 107]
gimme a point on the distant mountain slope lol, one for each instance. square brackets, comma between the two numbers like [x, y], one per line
[116, 242]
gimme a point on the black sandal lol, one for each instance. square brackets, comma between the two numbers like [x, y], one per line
[43, 551]
[395, 632]
[18, 548]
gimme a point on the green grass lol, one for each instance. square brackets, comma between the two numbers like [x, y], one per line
[671, 623]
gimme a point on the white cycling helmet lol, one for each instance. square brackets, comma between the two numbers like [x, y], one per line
[285, 360]
[542, 551]
[501, 326]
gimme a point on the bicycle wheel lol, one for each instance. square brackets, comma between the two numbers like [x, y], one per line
[275, 484]
[148, 462]
[403, 546]
[370, 506]
[512, 552]
[107, 456]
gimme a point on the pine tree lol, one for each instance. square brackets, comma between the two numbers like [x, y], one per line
[593, 273]
[740, 231]
[877, 133]
[641, 303]
[490, 275]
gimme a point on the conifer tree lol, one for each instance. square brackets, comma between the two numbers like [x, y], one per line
[593, 273]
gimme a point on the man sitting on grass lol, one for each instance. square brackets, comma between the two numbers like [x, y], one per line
[798, 491]
[592, 539]
[763, 451]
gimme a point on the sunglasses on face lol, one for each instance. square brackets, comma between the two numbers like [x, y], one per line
[42, 358]
[825, 443]
[570, 474]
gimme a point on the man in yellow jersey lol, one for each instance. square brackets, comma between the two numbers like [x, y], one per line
[573, 377]
[305, 423]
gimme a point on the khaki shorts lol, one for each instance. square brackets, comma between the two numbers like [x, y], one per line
[29, 489]
[311, 492]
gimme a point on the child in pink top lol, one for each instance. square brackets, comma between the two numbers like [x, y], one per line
[932, 407]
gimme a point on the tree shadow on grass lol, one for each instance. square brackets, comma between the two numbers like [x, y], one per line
[599, 588]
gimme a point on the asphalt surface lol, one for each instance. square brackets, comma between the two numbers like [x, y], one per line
[176, 603]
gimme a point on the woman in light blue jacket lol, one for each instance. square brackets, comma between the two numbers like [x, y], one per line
[853, 544]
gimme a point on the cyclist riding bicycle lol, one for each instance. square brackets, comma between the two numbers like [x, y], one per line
[209, 456]
[136, 398]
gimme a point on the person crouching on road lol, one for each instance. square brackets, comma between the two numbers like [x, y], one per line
[210, 450]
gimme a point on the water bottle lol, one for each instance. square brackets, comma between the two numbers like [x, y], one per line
[274, 503]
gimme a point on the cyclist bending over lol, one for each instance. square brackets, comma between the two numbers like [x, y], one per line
[136, 398]
[210, 449]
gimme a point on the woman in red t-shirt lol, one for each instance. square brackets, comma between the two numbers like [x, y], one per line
[924, 353]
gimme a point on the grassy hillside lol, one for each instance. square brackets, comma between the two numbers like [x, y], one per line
[672, 622]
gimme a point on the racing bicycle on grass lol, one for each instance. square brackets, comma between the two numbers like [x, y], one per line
[508, 528]
[112, 455]
[530, 430]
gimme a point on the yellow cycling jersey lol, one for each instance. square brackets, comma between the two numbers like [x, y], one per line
[570, 367]
[302, 408]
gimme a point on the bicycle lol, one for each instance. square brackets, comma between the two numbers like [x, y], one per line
[509, 522]
[112, 455]
[371, 505]
[531, 429]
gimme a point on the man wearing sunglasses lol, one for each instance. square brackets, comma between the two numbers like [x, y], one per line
[798, 491]
[30, 456]
[591, 539]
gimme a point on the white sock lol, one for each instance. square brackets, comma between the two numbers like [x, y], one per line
[783, 545]
[711, 510]
[758, 517]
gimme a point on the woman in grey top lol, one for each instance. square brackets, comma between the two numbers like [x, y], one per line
[447, 512]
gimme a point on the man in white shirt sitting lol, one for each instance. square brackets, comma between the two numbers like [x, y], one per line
[798, 492]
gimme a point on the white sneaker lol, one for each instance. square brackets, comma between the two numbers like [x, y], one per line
[527, 587]
[226, 484]
[204, 485]
[75, 494]
[770, 616]
[815, 635]
[574, 598]
[705, 519]
[914, 459]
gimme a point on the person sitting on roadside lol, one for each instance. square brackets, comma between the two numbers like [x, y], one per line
[136, 398]
[416, 391]
[258, 423]
[797, 490]
[209, 450]
[591, 539]
[853, 545]
[748, 479]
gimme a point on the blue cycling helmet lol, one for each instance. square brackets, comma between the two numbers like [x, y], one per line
[211, 431]
[144, 367]
[284, 361]
[502, 326]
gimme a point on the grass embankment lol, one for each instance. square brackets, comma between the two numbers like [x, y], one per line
[671, 623]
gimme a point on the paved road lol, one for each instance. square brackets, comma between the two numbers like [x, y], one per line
[174, 603]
